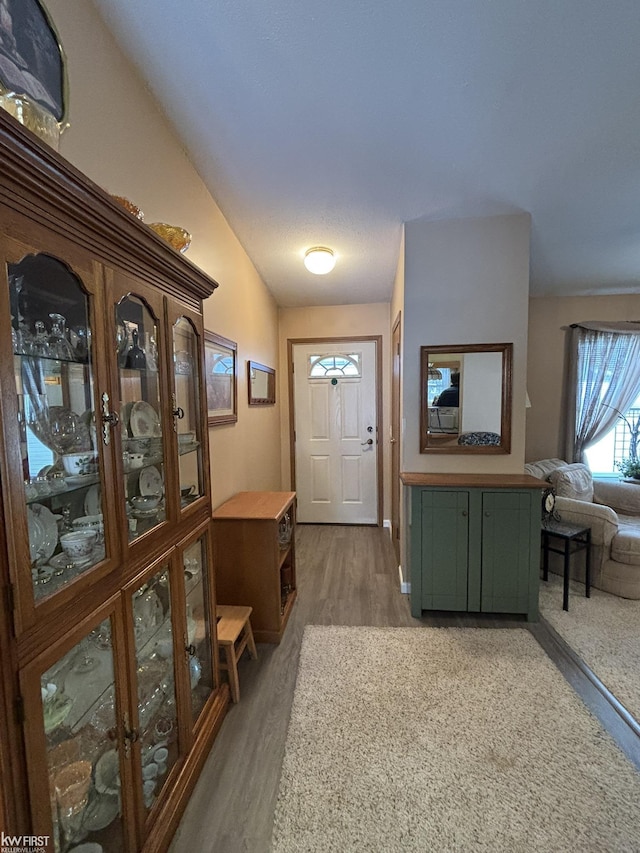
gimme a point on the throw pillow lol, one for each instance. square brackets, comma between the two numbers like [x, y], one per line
[573, 481]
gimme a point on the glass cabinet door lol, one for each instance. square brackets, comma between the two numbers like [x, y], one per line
[55, 381]
[142, 441]
[157, 712]
[83, 758]
[187, 414]
[199, 630]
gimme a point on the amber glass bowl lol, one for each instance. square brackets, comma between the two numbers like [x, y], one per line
[130, 206]
[173, 234]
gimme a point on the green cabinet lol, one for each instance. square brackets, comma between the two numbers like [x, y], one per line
[475, 549]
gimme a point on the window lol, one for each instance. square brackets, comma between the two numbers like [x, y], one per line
[615, 446]
[605, 379]
[335, 365]
[436, 386]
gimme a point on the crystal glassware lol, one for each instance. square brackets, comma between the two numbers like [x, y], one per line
[39, 345]
[58, 343]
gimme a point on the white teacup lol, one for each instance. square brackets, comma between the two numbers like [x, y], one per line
[150, 771]
[133, 460]
[76, 464]
[79, 544]
[160, 755]
[90, 522]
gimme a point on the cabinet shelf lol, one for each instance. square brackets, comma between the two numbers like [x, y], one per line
[49, 359]
[284, 555]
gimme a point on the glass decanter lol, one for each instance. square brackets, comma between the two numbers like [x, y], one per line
[136, 359]
[58, 344]
[40, 344]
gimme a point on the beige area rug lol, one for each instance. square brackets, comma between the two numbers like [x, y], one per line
[604, 630]
[427, 739]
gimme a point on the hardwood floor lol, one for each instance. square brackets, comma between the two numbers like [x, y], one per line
[346, 576]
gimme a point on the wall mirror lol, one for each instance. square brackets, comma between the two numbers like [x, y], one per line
[261, 383]
[465, 398]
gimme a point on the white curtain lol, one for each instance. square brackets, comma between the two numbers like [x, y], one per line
[604, 376]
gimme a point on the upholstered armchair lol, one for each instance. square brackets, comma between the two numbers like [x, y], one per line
[611, 509]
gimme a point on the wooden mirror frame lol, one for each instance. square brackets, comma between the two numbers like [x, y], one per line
[270, 397]
[431, 444]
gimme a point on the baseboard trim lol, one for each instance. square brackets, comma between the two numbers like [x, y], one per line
[405, 586]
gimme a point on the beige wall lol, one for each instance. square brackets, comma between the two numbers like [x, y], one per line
[120, 139]
[336, 321]
[466, 281]
[546, 359]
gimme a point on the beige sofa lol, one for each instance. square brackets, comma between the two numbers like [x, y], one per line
[612, 510]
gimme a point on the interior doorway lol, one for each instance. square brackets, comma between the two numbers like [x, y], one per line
[335, 421]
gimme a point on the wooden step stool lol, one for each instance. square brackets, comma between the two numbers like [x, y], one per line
[233, 623]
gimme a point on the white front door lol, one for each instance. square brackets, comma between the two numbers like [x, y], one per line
[336, 432]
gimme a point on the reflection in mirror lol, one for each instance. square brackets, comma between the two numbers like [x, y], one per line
[262, 384]
[465, 398]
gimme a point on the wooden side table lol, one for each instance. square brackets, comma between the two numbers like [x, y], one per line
[569, 534]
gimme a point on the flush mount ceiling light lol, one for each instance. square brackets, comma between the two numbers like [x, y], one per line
[319, 260]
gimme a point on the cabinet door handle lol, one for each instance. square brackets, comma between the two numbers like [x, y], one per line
[177, 412]
[487, 514]
[464, 512]
[130, 736]
[109, 419]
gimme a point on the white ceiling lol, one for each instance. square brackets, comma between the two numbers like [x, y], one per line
[333, 122]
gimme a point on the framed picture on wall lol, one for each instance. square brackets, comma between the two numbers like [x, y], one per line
[261, 381]
[32, 63]
[221, 379]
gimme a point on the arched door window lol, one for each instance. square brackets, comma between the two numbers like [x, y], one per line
[335, 364]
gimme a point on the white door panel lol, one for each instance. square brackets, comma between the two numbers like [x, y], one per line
[335, 416]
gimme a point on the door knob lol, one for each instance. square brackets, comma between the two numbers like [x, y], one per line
[368, 441]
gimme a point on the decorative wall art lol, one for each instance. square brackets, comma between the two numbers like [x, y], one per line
[33, 80]
[221, 379]
[261, 381]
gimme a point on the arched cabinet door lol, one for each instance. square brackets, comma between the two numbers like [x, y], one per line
[200, 642]
[78, 737]
[138, 417]
[59, 471]
[188, 405]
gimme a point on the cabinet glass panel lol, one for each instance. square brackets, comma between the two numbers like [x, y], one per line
[187, 405]
[78, 702]
[54, 376]
[141, 432]
[197, 592]
[157, 716]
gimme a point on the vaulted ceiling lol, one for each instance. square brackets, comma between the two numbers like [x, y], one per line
[334, 122]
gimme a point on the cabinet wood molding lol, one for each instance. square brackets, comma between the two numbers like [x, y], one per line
[56, 194]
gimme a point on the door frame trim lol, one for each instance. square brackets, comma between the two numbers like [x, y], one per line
[395, 419]
[377, 340]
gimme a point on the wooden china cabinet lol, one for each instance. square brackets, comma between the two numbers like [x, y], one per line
[110, 688]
